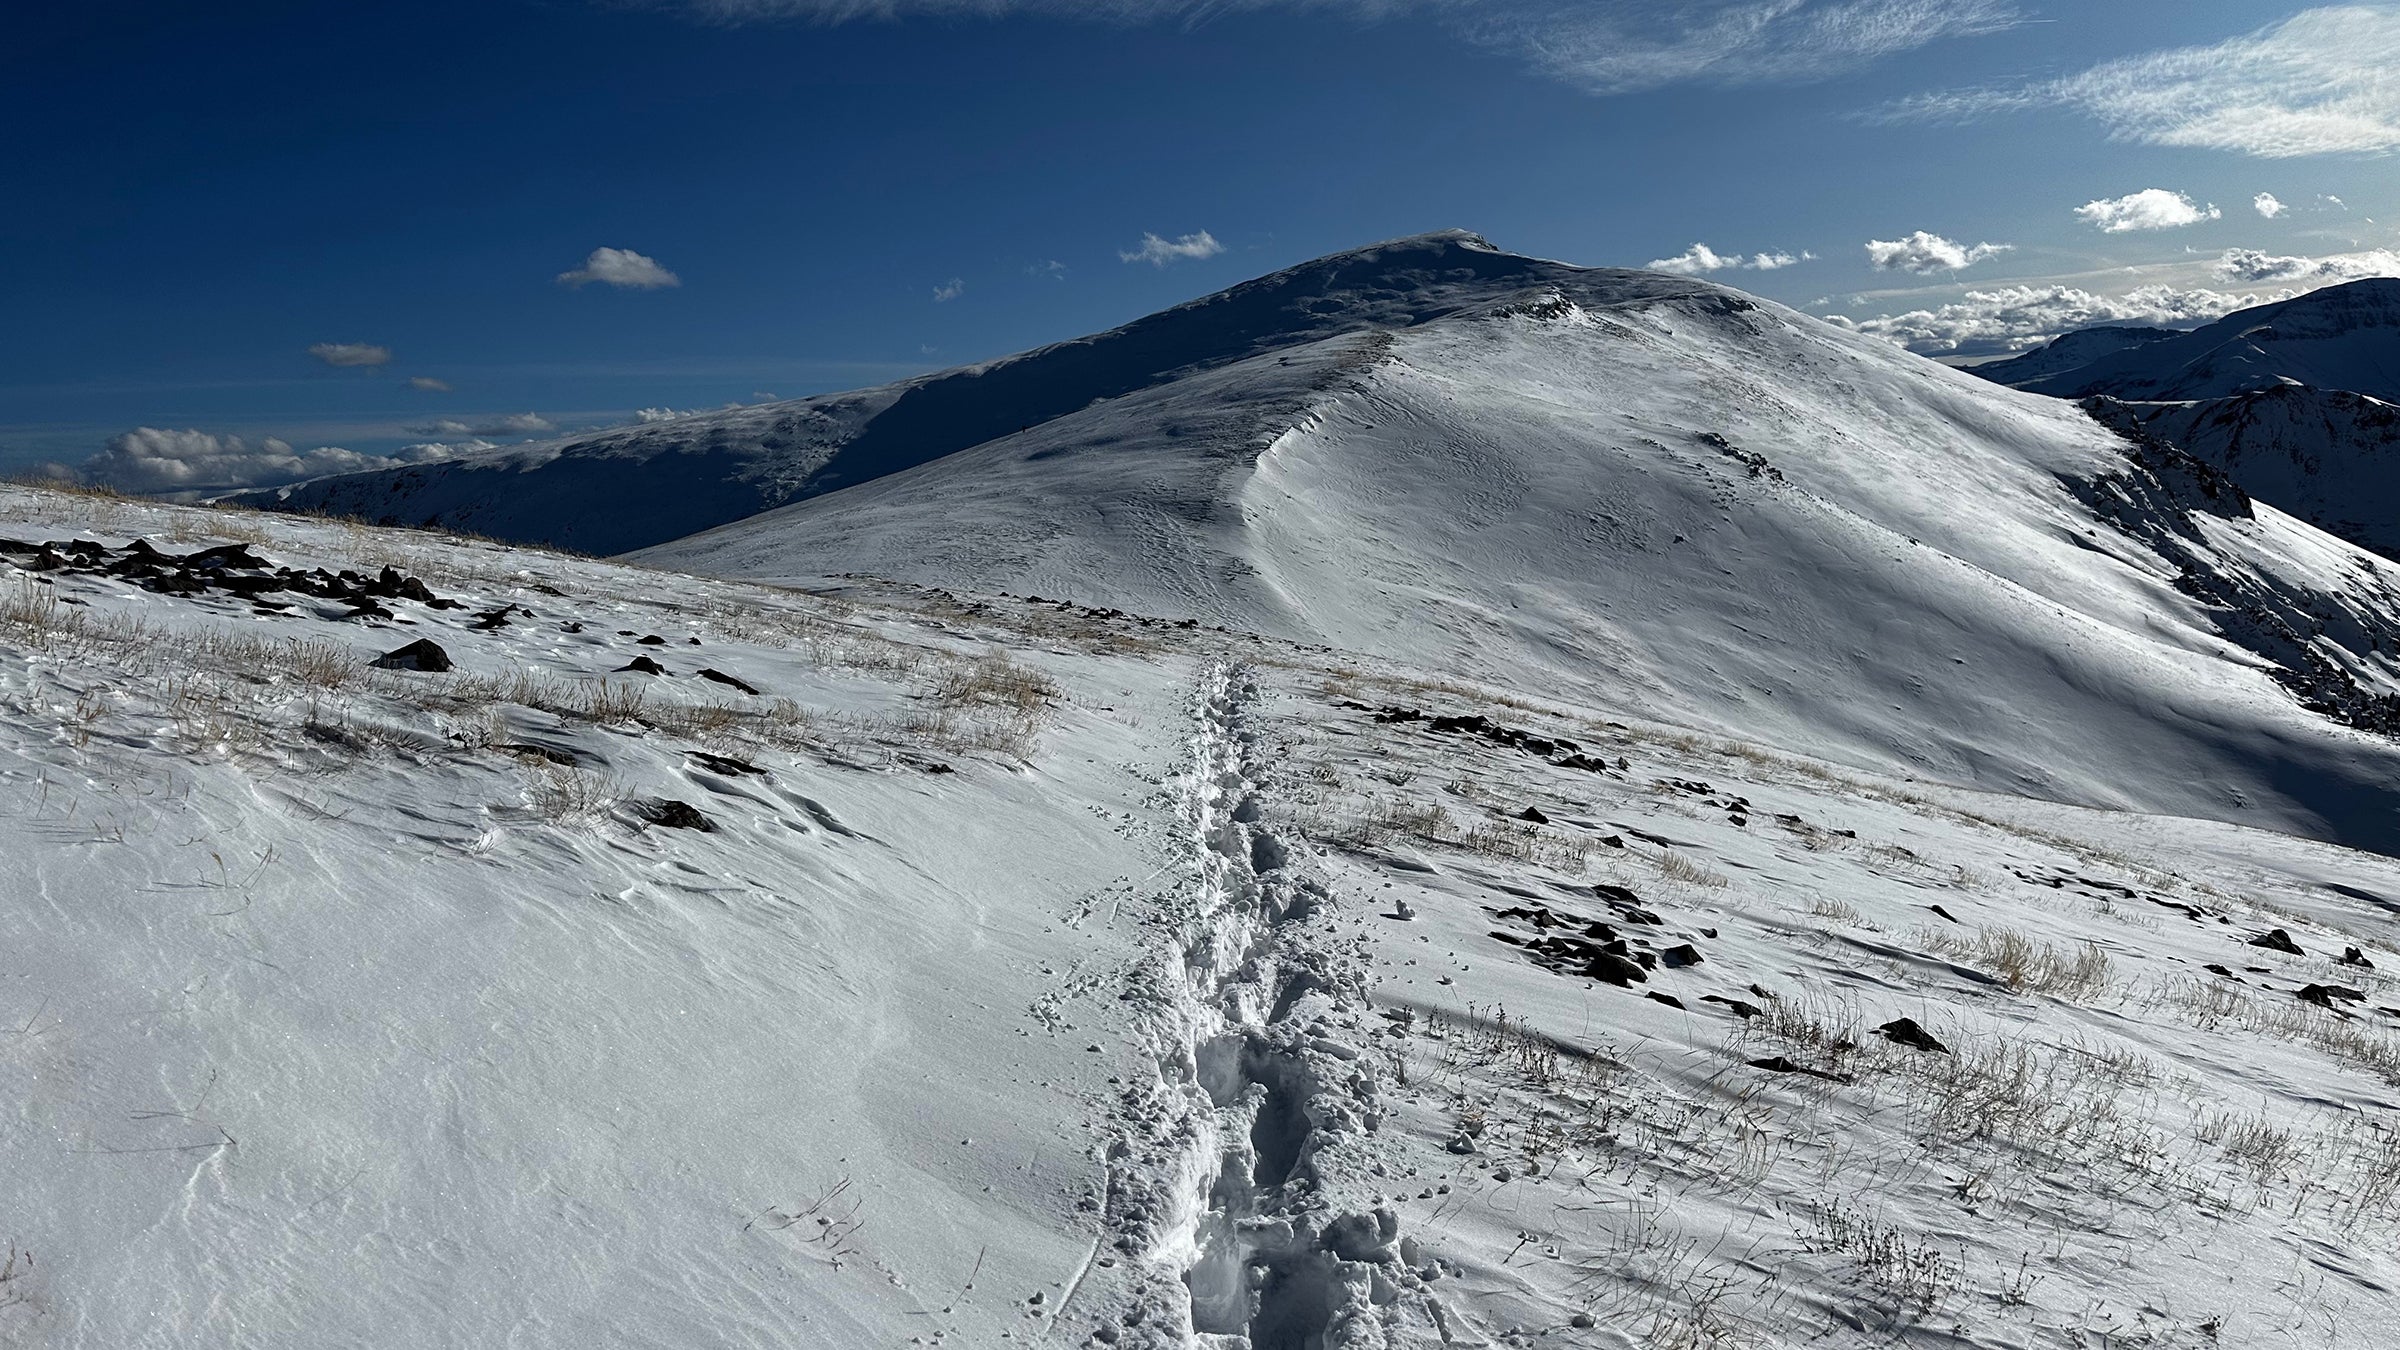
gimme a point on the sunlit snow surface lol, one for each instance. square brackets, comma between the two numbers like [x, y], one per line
[1075, 978]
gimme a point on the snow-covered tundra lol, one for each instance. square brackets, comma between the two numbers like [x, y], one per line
[1488, 803]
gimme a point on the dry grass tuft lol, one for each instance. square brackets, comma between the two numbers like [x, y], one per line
[2078, 974]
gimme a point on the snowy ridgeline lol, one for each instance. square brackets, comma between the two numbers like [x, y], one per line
[969, 970]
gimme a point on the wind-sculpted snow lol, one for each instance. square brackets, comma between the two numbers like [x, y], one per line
[417, 942]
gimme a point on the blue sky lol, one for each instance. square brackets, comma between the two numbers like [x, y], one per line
[847, 191]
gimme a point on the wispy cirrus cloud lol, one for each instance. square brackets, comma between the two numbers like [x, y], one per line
[949, 290]
[1925, 253]
[1700, 258]
[2318, 83]
[350, 355]
[1607, 48]
[2148, 209]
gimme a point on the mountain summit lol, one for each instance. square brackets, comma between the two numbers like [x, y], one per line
[630, 488]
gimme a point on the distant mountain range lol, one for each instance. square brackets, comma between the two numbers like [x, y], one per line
[2296, 399]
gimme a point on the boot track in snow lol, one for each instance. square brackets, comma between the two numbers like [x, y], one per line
[1227, 1193]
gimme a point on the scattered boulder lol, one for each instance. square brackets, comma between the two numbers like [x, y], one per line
[2352, 956]
[670, 814]
[424, 654]
[2277, 940]
[1669, 999]
[1905, 1031]
[1781, 1064]
[642, 665]
[1679, 956]
[1534, 814]
[726, 764]
[2323, 995]
[722, 678]
[1736, 1006]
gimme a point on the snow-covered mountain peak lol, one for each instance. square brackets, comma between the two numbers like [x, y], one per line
[628, 488]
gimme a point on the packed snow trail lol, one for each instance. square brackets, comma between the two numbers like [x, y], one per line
[1230, 1184]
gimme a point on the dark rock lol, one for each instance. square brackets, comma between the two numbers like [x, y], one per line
[668, 813]
[653, 640]
[2214, 968]
[642, 665]
[2352, 956]
[2277, 940]
[1534, 814]
[1677, 957]
[726, 764]
[1736, 1006]
[722, 678]
[1780, 1064]
[225, 557]
[1669, 999]
[2323, 995]
[423, 654]
[548, 754]
[1906, 1032]
[1943, 912]
[1610, 968]
[1612, 841]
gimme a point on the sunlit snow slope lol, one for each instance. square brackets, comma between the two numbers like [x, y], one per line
[1674, 497]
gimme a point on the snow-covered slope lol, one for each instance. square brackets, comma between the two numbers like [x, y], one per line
[2326, 456]
[2341, 337]
[621, 490]
[1002, 973]
[1679, 499]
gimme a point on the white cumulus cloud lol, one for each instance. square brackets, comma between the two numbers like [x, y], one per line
[620, 267]
[646, 416]
[196, 463]
[2148, 209]
[513, 424]
[2266, 205]
[2014, 318]
[350, 354]
[2317, 83]
[1924, 252]
[1159, 252]
[1701, 258]
[2254, 266]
